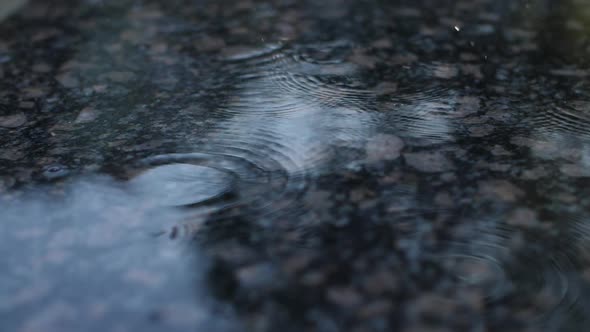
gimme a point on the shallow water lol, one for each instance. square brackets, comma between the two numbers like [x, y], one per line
[256, 165]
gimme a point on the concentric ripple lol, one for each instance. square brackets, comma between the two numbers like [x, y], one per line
[235, 182]
[572, 118]
[248, 54]
[286, 105]
[482, 271]
[312, 74]
[182, 184]
[427, 112]
[427, 117]
[280, 126]
[513, 272]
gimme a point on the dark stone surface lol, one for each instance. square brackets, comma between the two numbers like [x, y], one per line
[291, 165]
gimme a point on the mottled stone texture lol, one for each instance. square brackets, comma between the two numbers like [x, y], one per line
[289, 165]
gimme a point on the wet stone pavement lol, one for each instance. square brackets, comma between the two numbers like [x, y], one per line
[293, 165]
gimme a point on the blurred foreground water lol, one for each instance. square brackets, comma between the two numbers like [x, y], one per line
[296, 165]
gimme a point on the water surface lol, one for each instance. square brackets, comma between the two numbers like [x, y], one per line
[256, 165]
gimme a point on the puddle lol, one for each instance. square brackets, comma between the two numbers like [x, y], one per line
[87, 258]
[265, 165]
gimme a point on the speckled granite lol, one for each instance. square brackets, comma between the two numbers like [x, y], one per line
[295, 165]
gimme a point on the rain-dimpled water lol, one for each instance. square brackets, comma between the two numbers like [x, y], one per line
[285, 165]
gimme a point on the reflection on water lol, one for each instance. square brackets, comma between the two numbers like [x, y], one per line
[349, 165]
[83, 257]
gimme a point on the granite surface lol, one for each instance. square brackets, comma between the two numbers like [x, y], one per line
[289, 165]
